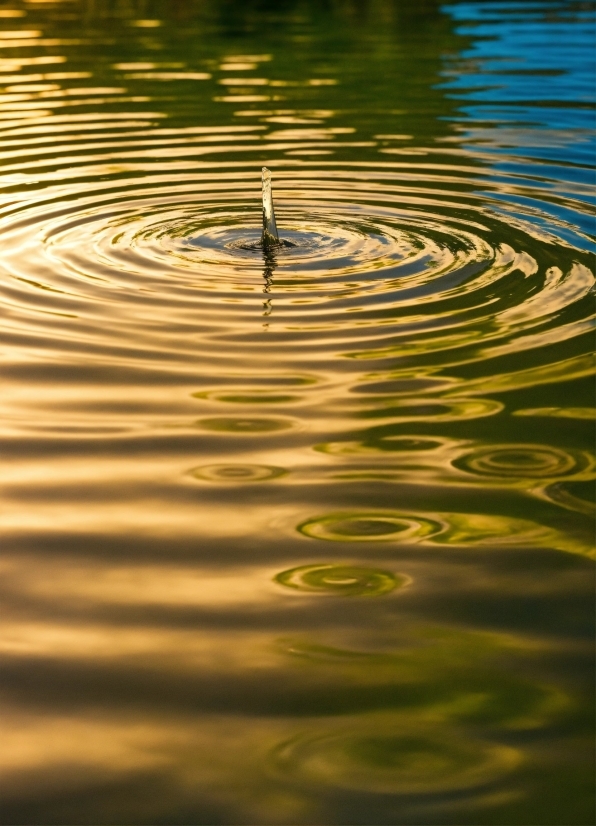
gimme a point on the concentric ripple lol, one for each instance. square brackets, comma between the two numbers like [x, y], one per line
[237, 474]
[318, 242]
[389, 760]
[522, 462]
[341, 580]
[370, 526]
[172, 261]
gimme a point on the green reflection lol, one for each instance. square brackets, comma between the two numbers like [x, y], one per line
[587, 413]
[383, 758]
[452, 677]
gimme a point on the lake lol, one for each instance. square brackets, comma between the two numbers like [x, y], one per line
[304, 534]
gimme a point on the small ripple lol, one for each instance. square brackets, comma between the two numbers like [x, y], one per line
[341, 580]
[370, 526]
[237, 474]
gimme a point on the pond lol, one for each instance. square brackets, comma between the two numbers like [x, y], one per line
[304, 534]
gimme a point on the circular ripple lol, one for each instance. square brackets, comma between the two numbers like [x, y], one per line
[237, 473]
[243, 425]
[341, 580]
[519, 462]
[316, 241]
[387, 761]
[247, 397]
[370, 527]
[365, 249]
[388, 444]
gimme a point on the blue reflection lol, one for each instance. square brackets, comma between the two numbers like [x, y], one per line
[526, 83]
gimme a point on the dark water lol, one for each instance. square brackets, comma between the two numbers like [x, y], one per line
[304, 537]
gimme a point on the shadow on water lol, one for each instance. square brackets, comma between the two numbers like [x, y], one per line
[328, 561]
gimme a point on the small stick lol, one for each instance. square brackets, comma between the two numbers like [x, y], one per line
[270, 236]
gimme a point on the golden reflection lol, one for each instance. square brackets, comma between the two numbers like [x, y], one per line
[436, 739]
[299, 535]
[237, 67]
[167, 76]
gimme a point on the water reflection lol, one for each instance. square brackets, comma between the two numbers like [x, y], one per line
[214, 453]
[236, 473]
[341, 580]
[269, 269]
[406, 761]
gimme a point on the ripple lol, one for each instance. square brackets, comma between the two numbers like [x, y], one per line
[426, 279]
[237, 474]
[384, 759]
[388, 444]
[341, 580]
[520, 462]
[395, 386]
[247, 396]
[575, 496]
[433, 410]
[370, 526]
[179, 251]
[243, 425]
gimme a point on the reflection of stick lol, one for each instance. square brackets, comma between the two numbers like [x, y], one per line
[270, 236]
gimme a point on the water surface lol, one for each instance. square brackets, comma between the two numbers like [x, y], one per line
[303, 536]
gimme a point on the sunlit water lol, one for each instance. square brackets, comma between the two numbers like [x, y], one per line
[304, 536]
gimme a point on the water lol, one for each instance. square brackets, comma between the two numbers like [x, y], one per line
[302, 536]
